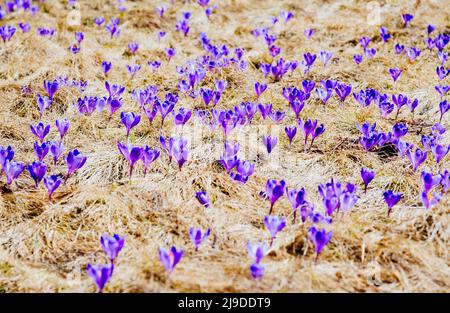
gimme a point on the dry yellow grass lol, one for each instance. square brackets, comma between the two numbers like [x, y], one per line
[45, 248]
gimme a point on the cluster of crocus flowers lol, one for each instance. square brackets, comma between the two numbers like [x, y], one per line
[311, 128]
[335, 197]
[238, 169]
[176, 148]
[135, 153]
[102, 273]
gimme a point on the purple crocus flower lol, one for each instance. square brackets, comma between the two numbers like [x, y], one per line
[416, 158]
[170, 258]
[148, 156]
[290, 131]
[309, 60]
[51, 182]
[56, 149]
[320, 238]
[180, 151]
[244, 170]
[370, 53]
[6, 154]
[412, 104]
[257, 270]
[402, 147]
[63, 126]
[100, 274]
[25, 27]
[429, 201]
[112, 245]
[324, 94]
[257, 251]
[197, 237]
[442, 72]
[12, 170]
[74, 160]
[367, 176]
[399, 48]
[442, 56]
[99, 20]
[164, 108]
[43, 103]
[259, 89]
[129, 120]
[106, 66]
[133, 69]
[309, 32]
[439, 152]
[270, 142]
[113, 27]
[399, 101]
[358, 58]
[6, 32]
[343, 90]
[297, 199]
[391, 199]
[170, 52]
[395, 73]
[364, 41]
[319, 130]
[407, 18]
[182, 116]
[40, 130]
[41, 150]
[399, 130]
[131, 154]
[429, 181]
[274, 190]
[274, 224]
[413, 53]
[384, 34]
[325, 57]
[133, 47]
[37, 171]
[114, 90]
[203, 198]
[51, 88]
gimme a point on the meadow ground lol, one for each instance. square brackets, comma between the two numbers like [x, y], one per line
[45, 248]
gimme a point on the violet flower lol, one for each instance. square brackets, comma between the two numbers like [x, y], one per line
[429, 201]
[129, 120]
[391, 199]
[132, 154]
[51, 182]
[51, 88]
[74, 160]
[41, 150]
[63, 126]
[274, 224]
[395, 73]
[290, 131]
[106, 66]
[43, 103]
[358, 58]
[320, 238]
[399, 48]
[259, 89]
[257, 270]
[12, 170]
[112, 245]
[274, 190]
[257, 251]
[40, 130]
[367, 176]
[148, 156]
[309, 32]
[407, 18]
[325, 57]
[197, 237]
[297, 199]
[203, 198]
[6, 32]
[308, 61]
[170, 258]
[416, 158]
[133, 47]
[244, 170]
[413, 53]
[442, 72]
[56, 150]
[270, 142]
[439, 152]
[429, 181]
[170, 52]
[37, 171]
[100, 274]
[384, 34]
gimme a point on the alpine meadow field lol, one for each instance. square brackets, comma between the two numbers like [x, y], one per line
[224, 146]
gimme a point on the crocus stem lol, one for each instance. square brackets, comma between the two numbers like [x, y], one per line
[365, 189]
[295, 216]
[396, 115]
[271, 208]
[316, 259]
[271, 241]
[312, 141]
[131, 171]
